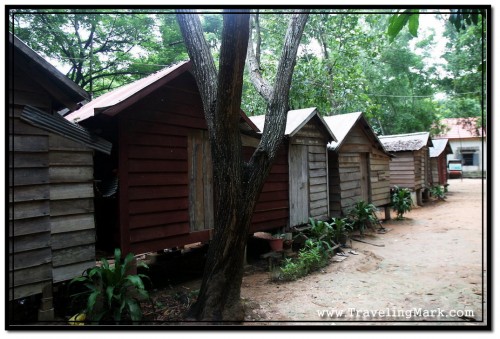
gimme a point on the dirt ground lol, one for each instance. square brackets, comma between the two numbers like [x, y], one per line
[430, 270]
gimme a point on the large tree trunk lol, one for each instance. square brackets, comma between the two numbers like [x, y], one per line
[237, 184]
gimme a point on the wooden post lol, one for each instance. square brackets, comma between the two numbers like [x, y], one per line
[46, 310]
[387, 209]
[419, 197]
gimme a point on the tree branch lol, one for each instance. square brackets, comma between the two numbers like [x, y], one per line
[203, 63]
[253, 64]
[275, 120]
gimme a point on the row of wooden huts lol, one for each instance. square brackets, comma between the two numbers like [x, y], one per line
[132, 169]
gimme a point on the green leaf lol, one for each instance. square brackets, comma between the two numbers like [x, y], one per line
[397, 22]
[105, 264]
[134, 310]
[136, 281]
[77, 279]
[126, 263]
[109, 294]
[92, 300]
[413, 24]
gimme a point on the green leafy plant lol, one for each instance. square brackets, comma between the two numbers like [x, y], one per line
[362, 215]
[341, 228]
[310, 258]
[438, 192]
[112, 294]
[401, 201]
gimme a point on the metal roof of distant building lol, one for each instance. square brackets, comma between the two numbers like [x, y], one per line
[461, 128]
[405, 142]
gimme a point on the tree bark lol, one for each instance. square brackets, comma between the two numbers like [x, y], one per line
[237, 184]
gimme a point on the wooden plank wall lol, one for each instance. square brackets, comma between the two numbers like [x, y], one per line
[316, 167]
[30, 256]
[350, 180]
[345, 173]
[380, 178]
[71, 177]
[154, 196]
[334, 184]
[271, 210]
[435, 170]
[420, 168]
[402, 170]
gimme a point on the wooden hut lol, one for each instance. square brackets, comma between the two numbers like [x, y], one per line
[409, 167]
[358, 164]
[51, 223]
[438, 154]
[155, 190]
[307, 136]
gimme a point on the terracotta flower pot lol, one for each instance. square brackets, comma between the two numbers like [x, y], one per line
[276, 244]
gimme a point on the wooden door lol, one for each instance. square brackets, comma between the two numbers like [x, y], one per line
[201, 215]
[365, 176]
[299, 185]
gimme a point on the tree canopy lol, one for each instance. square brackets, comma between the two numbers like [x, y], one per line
[347, 61]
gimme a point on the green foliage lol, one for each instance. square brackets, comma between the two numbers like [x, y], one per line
[401, 201]
[399, 20]
[101, 49]
[310, 258]
[112, 294]
[438, 192]
[363, 215]
[318, 248]
[341, 228]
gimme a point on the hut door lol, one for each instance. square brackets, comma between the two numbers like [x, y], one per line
[365, 176]
[299, 185]
[200, 182]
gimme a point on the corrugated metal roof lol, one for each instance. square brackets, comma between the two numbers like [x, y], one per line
[59, 125]
[295, 120]
[115, 101]
[341, 125]
[439, 146]
[461, 128]
[405, 142]
[127, 93]
[70, 88]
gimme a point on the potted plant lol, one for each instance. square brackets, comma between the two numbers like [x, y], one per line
[276, 242]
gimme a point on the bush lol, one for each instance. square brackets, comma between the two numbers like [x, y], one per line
[438, 192]
[311, 258]
[401, 201]
[112, 294]
[363, 215]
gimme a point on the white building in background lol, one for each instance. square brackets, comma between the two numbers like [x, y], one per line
[468, 142]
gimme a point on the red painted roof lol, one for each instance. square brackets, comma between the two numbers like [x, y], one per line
[461, 128]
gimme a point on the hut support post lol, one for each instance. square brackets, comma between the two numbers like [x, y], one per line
[46, 310]
[387, 210]
[419, 197]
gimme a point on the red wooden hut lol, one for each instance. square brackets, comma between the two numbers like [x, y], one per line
[155, 190]
[438, 154]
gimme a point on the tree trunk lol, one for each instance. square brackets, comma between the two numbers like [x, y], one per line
[237, 184]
